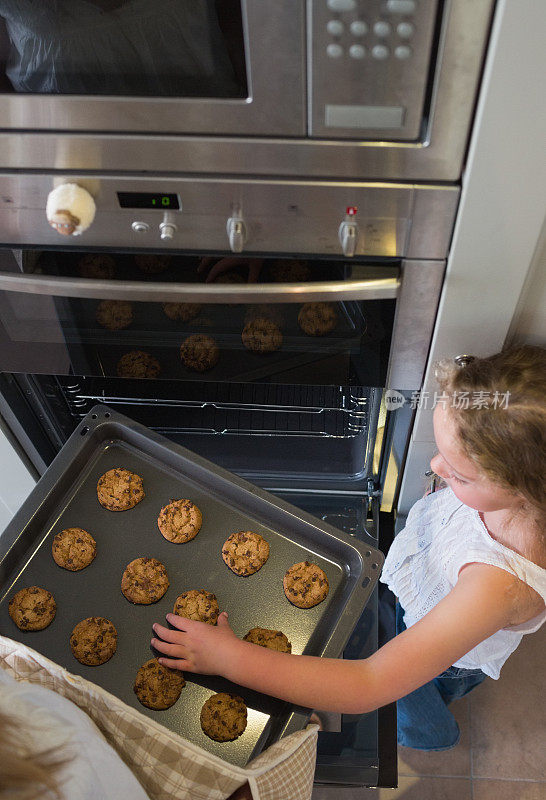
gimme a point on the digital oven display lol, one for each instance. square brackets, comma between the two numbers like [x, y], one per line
[148, 200]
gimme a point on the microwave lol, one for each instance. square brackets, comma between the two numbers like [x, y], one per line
[369, 88]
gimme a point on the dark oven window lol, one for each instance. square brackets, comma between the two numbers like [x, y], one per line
[132, 48]
[338, 343]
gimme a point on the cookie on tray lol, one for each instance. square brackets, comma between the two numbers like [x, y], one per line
[197, 604]
[182, 312]
[144, 581]
[223, 717]
[138, 364]
[94, 641]
[199, 352]
[180, 521]
[158, 687]
[229, 277]
[245, 552]
[114, 314]
[97, 265]
[305, 584]
[274, 640]
[32, 609]
[152, 264]
[73, 549]
[119, 490]
[317, 319]
[261, 335]
[290, 270]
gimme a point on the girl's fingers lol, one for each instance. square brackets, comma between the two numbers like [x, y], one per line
[175, 663]
[175, 650]
[167, 633]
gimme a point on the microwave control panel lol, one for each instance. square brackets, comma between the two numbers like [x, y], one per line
[369, 67]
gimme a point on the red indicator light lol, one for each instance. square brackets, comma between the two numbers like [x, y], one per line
[351, 211]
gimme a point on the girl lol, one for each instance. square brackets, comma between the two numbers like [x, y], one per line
[469, 569]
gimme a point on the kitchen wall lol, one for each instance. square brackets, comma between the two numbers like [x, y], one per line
[16, 480]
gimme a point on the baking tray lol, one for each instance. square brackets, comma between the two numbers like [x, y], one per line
[66, 496]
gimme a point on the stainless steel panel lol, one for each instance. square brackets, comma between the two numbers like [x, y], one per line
[280, 216]
[414, 322]
[438, 157]
[275, 105]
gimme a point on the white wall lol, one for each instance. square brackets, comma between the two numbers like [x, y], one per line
[500, 217]
[16, 481]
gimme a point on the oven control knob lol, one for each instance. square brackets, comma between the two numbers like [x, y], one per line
[167, 228]
[236, 231]
[70, 209]
[348, 237]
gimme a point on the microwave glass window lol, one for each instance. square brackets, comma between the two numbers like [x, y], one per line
[177, 48]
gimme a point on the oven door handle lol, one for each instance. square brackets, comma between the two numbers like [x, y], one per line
[368, 289]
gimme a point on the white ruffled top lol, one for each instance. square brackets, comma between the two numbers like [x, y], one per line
[423, 564]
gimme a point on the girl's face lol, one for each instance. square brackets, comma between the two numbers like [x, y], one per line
[472, 487]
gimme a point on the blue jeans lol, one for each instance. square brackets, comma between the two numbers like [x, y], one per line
[424, 720]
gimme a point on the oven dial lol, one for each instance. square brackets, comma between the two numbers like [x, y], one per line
[140, 227]
[348, 237]
[70, 209]
[167, 228]
[236, 231]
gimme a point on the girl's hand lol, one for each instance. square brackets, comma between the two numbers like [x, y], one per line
[215, 267]
[196, 646]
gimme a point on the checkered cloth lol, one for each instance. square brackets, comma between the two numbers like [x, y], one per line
[167, 766]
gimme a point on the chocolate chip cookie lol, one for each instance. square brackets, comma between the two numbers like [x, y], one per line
[152, 264]
[94, 641]
[119, 490]
[261, 335]
[114, 314]
[317, 319]
[305, 584]
[245, 552]
[290, 271]
[158, 687]
[97, 265]
[199, 352]
[197, 604]
[182, 312]
[180, 521]
[138, 364]
[223, 717]
[274, 640]
[73, 549]
[32, 609]
[144, 581]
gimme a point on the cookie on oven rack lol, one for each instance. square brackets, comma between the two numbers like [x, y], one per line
[182, 312]
[114, 314]
[138, 364]
[261, 335]
[199, 352]
[97, 265]
[317, 319]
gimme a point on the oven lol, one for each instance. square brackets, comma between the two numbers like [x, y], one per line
[381, 89]
[312, 343]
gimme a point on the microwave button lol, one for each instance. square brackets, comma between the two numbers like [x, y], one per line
[341, 5]
[140, 227]
[358, 27]
[402, 52]
[357, 51]
[382, 29]
[401, 6]
[335, 27]
[334, 51]
[380, 52]
[405, 30]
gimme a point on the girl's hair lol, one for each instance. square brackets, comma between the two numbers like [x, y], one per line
[22, 773]
[501, 420]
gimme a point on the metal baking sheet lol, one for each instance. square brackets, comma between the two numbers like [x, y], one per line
[66, 497]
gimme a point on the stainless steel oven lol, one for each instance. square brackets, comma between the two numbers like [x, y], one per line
[281, 379]
[370, 88]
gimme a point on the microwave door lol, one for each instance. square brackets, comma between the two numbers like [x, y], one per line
[181, 66]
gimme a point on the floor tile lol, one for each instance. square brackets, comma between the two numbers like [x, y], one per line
[454, 762]
[485, 789]
[508, 735]
[409, 788]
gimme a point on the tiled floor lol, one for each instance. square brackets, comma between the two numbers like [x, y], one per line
[502, 752]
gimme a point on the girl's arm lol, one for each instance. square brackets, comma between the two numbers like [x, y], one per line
[479, 605]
